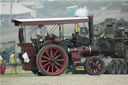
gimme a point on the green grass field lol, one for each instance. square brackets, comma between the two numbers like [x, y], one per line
[26, 74]
[20, 73]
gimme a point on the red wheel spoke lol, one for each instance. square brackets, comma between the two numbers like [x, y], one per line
[60, 60]
[56, 67]
[46, 64]
[57, 56]
[99, 67]
[97, 71]
[94, 71]
[58, 64]
[44, 60]
[47, 53]
[97, 62]
[46, 57]
[93, 62]
[48, 68]
[55, 52]
[52, 67]
[51, 53]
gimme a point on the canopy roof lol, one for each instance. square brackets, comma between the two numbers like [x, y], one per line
[49, 21]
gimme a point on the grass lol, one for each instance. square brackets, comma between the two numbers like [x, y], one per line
[20, 73]
[17, 75]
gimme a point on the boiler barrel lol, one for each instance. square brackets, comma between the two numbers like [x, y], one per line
[85, 50]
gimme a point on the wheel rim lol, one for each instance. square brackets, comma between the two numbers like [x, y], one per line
[95, 66]
[52, 60]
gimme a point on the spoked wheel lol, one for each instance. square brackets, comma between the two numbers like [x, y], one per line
[52, 60]
[94, 66]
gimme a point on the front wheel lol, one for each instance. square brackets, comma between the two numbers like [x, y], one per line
[52, 60]
[94, 66]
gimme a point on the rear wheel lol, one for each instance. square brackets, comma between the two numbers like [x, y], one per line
[94, 66]
[52, 60]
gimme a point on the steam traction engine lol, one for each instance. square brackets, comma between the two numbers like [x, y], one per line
[57, 53]
[112, 36]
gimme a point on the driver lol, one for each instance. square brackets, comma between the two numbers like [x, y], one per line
[36, 34]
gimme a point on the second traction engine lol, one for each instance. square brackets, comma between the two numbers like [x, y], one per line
[112, 36]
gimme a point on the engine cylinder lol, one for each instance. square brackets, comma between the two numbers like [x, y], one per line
[85, 50]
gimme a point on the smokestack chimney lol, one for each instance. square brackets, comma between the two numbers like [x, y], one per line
[91, 31]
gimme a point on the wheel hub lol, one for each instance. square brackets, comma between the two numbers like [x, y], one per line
[94, 66]
[52, 60]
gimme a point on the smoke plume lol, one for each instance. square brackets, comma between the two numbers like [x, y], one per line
[82, 12]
